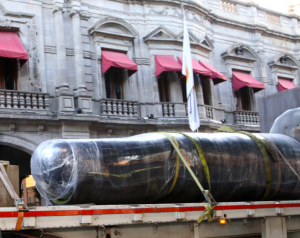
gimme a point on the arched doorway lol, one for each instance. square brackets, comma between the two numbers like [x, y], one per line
[16, 157]
[18, 152]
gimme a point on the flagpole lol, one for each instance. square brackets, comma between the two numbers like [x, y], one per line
[187, 70]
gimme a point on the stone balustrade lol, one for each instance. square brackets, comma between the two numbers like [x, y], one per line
[246, 117]
[209, 112]
[18, 100]
[119, 107]
[168, 109]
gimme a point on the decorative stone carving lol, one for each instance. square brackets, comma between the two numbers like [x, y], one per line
[37, 84]
[57, 9]
[142, 61]
[158, 11]
[5, 22]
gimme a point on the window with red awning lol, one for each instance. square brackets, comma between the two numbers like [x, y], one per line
[216, 76]
[198, 68]
[11, 46]
[285, 84]
[243, 79]
[117, 60]
[166, 63]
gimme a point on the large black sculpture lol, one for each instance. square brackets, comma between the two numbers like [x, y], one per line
[141, 169]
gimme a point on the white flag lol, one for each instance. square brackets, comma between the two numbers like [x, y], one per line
[187, 70]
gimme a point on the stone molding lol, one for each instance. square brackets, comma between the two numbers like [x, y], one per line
[161, 33]
[130, 34]
[232, 53]
[290, 62]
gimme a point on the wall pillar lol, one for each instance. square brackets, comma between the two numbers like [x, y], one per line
[63, 93]
[78, 52]
[62, 79]
[83, 98]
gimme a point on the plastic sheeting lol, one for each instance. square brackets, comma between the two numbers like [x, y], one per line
[141, 169]
[287, 122]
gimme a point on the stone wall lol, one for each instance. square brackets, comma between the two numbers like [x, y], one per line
[64, 40]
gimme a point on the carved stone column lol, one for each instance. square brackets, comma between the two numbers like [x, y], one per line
[83, 99]
[64, 95]
[61, 81]
[78, 51]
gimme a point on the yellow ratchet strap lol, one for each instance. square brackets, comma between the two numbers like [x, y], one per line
[202, 158]
[263, 147]
[209, 208]
[177, 167]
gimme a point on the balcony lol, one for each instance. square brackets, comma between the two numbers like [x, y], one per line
[120, 108]
[170, 109]
[246, 117]
[11, 100]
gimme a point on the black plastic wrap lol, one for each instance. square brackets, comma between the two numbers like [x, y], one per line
[141, 169]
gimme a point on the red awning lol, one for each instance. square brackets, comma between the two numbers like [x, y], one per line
[118, 60]
[240, 80]
[216, 76]
[166, 63]
[198, 68]
[285, 84]
[11, 46]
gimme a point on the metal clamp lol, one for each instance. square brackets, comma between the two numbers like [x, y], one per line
[20, 205]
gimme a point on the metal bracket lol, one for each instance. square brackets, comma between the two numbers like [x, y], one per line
[209, 197]
[20, 205]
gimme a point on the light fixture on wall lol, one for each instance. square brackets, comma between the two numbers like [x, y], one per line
[149, 116]
[78, 110]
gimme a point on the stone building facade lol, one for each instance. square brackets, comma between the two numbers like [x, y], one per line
[63, 92]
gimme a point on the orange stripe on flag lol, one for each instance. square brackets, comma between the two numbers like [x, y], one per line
[187, 74]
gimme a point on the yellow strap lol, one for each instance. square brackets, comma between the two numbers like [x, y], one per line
[176, 169]
[171, 139]
[202, 158]
[263, 147]
[209, 213]
[209, 209]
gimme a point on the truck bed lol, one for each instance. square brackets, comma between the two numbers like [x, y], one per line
[259, 219]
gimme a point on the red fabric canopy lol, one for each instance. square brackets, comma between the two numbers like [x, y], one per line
[198, 68]
[11, 46]
[118, 60]
[240, 80]
[285, 84]
[216, 76]
[166, 63]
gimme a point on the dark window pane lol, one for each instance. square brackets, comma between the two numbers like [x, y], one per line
[118, 84]
[164, 87]
[245, 98]
[107, 85]
[183, 88]
[114, 83]
[206, 92]
[9, 74]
